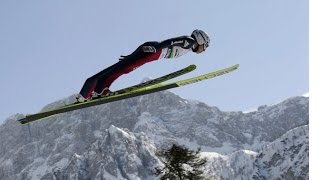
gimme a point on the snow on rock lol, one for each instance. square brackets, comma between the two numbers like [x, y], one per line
[286, 157]
[119, 140]
[118, 154]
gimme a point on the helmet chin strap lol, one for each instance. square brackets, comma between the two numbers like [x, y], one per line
[195, 49]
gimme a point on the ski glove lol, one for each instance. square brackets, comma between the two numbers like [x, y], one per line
[122, 57]
[146, 49]
[149, 49]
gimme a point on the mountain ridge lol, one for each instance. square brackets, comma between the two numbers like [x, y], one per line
[49, 148]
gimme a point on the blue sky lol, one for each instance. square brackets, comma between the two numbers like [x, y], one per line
[49, 48]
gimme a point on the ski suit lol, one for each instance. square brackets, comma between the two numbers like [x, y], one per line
[170, 48]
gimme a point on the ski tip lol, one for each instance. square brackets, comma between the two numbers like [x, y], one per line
[234, 67]
[192, 66]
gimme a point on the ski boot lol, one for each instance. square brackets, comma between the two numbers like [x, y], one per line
[105, 93]
[81, 99]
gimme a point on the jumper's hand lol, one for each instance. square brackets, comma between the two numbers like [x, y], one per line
[122, 57]
[149, 49]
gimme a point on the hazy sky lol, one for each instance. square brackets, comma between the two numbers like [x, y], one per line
[49, 48]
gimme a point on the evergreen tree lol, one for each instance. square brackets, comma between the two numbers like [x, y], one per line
[180, 163]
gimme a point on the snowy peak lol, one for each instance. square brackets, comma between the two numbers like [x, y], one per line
[285, 158]
[117, 154]
[118, 140]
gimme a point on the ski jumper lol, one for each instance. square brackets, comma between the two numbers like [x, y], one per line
[171, 48]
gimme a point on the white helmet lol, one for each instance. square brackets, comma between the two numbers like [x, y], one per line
[201, 37]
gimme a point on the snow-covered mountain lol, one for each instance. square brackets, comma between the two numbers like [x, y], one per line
[285, 158]
[119, 140]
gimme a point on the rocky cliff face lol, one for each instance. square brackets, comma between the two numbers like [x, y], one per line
[285, 158]
[119, 140]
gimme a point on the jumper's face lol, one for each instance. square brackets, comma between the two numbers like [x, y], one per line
[199, 48]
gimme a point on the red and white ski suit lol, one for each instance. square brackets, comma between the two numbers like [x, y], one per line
[171, 48]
